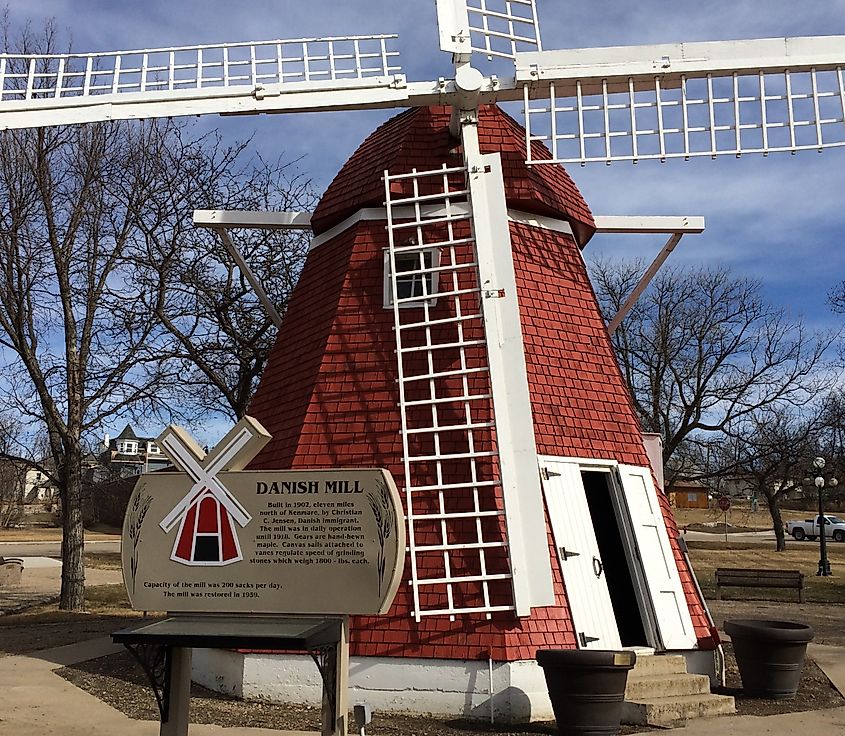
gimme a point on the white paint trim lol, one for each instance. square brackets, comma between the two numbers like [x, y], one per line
[540, 221]
[262, 219]
[521, 489]
[648, 224]
[605, 224]
[367, 214]
[586, 462]
[380, 213]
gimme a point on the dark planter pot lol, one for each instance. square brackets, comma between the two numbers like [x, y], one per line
[770, 655]
[587, 688]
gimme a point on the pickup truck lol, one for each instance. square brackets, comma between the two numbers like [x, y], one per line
[809, 528]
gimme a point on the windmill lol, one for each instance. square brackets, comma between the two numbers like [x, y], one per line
[478, 484]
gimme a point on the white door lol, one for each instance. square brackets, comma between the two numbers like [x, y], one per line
[658, 562]
[578, 552]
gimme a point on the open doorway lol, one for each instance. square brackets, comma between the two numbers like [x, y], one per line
[617, 563]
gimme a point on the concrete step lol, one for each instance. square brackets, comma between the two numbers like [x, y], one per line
[665, 685]
[667, 711]
[655, 664]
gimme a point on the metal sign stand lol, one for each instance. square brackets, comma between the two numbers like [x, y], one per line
[164, 650]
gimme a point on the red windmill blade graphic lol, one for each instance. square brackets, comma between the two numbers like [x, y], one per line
[207, 514]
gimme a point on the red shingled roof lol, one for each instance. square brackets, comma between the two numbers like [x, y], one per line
[421, 136]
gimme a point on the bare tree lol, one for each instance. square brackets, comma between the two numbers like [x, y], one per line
[98, 266]
[12, 474]
[769, 449]
[702, 350]
[223, 334]
[72, 317]
[831, 442]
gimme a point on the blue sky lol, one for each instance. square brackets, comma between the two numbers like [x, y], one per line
[780, 219]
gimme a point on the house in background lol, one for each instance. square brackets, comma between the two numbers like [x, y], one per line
[129, 454]
[689, 494]
[37, 486]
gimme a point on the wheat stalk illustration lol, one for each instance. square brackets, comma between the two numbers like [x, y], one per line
[384, 518]
[140, 507]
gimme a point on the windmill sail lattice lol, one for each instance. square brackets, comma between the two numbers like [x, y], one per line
[685, 100]
[500, 28]
[456, 522]
[503, 27]
[35, 86]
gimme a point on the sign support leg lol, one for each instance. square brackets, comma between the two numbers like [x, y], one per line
[175, 723]
[335, 701]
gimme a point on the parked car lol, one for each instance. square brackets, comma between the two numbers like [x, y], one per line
[834, 528]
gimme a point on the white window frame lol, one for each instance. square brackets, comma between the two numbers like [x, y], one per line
[429, 273]
[127, 447]
[153, 449]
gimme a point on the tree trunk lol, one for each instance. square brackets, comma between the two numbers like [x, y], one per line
[777, 523]
[73, 541]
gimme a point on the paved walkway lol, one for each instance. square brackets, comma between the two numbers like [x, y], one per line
[37, 702]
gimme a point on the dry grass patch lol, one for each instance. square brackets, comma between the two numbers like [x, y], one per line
[740, 515]
[803, 556]
[106, 610]
[103, 560]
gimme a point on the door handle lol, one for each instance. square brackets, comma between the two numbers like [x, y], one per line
[598, 568]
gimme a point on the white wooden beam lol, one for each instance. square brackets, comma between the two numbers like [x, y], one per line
[646, 224]
[616, 65]
[263, 297]
[253, 219]
[650, 273]
[521, 489]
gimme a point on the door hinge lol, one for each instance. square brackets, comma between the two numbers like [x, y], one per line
[565, 554]
[546, 474]
[585, 640]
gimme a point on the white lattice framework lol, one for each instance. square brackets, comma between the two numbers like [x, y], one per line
[254, 64]
[503, 27]
[686, 100]
[434, 216]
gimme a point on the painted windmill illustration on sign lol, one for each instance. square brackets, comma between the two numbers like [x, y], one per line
[444, 326]
[207, 516]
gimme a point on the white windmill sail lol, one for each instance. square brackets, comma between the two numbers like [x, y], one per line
[686, 100]
[500, 28]
[251, 77]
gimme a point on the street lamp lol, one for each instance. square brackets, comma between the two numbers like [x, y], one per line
[819, 483]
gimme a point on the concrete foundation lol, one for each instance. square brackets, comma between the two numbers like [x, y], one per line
[443, 687]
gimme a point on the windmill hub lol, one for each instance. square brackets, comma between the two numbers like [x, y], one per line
[468, 79]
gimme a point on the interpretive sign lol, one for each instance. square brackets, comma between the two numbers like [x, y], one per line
[218, 538]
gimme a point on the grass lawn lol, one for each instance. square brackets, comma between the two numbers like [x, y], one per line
[54, 534]
[739, 515]
[103, 560]
[803, 556]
